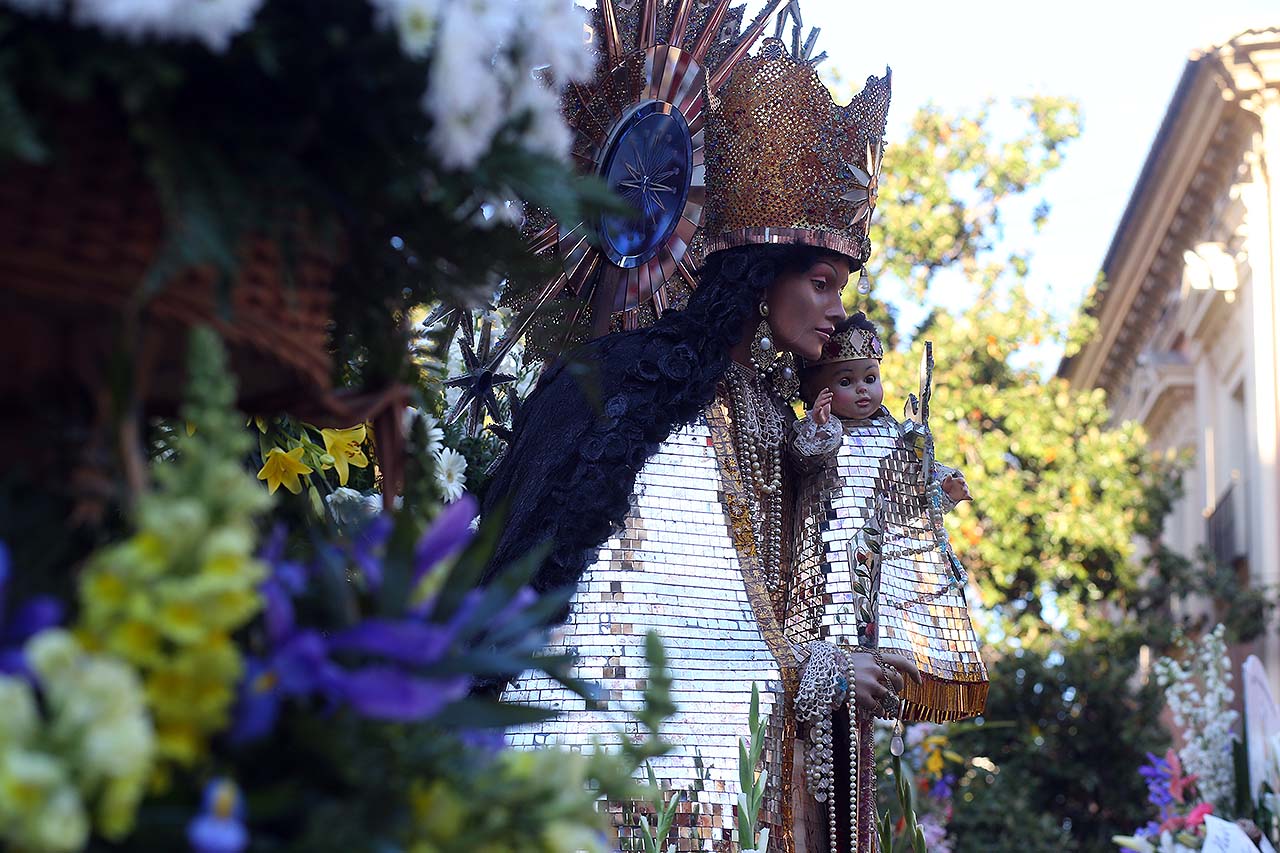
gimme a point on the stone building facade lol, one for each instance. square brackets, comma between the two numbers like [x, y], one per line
[1188, 308]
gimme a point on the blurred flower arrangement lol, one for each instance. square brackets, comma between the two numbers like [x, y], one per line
[402, 138]
[918, 787]
[308, 693]
[1201, 778]
[249, 648]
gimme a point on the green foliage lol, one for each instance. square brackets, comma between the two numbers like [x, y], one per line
[1083, 724]
[912, 837]
[752, 786]
[338, 162]
[1059, 491]
[943, 185]
[666, 815]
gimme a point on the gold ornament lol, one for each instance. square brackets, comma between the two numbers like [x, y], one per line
[785, 163]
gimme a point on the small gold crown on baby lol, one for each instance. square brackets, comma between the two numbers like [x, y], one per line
[854, 338]
[785, 163]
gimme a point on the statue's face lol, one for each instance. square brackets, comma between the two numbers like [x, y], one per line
[804, 307]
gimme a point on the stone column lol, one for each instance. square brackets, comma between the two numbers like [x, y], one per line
[1262, 202]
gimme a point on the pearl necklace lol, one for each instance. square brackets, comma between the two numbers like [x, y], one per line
[759, 432]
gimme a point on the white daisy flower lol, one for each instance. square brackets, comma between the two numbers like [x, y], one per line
[451, 473]
[431, 426]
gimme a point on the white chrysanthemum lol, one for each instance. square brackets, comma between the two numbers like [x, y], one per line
[431, 428]
[213, 22]
[546, 131]
[451, 473]
[349, 507]
[435, 434]
[555, 33]
[465, 99]
[494, 20]
[18, 714]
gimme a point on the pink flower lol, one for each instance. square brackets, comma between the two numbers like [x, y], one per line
[1197, 814]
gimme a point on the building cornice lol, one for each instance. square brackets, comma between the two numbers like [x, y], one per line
[1191, 163]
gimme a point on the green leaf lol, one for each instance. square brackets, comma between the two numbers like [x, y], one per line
[488, 714]
[746, 770]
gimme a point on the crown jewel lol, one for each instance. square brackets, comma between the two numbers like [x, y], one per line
[848, 344]
[786, 164]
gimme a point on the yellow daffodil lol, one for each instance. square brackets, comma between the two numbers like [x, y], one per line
[344, 446]
[282, 468]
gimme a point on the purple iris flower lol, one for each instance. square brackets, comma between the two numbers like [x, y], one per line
[389, 693]
[297, 664]
[942, 788]
[1158, 774]
[219, 828]
[31, 618]
[483, 741]
[450, 533]
[368, 547]
[386, 685]
[410, 642]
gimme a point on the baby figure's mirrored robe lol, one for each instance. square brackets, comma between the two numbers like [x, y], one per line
[873, 570]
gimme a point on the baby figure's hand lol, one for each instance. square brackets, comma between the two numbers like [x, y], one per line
[821, 411]
[956, 488]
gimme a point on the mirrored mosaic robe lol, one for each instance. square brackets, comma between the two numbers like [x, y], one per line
[684, 564]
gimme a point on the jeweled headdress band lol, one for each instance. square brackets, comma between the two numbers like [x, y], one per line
[849, 344]
[786, 164]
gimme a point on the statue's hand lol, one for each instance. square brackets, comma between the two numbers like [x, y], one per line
[871, 683]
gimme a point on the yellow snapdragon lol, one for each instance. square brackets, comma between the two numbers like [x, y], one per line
[168, 598]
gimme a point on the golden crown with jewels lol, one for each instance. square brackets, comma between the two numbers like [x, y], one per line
[850, 342]
[785, 163]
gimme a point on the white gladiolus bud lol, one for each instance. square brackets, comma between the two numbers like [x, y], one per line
[52, 653]
[18, 714]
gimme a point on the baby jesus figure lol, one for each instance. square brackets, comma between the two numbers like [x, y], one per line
[874, 569]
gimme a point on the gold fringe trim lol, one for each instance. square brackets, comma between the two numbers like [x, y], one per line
[938, 700]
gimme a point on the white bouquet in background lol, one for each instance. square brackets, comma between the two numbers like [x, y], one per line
[1199, 697]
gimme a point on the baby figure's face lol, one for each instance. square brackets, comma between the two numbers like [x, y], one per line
[855, 387]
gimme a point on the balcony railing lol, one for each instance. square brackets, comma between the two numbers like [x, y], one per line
[1221, 529]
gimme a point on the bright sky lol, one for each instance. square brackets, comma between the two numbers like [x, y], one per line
[1120, 59]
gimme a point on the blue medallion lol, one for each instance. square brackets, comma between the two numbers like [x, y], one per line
[649, 163]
